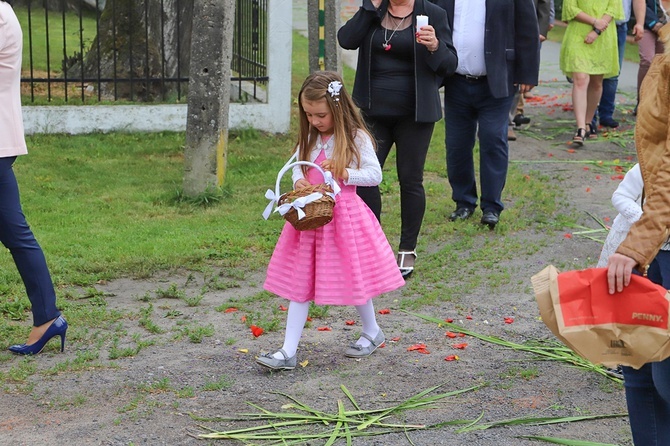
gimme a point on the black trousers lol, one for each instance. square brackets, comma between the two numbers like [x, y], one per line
[411, 140]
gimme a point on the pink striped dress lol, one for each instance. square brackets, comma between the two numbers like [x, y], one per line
[346, 262]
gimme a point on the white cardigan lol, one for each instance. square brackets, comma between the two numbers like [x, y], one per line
[12, 141]
[368, 174]
[627, 200]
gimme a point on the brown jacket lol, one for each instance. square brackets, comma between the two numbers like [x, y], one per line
[652, 139]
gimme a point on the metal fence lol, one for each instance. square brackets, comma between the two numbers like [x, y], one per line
[86, 51]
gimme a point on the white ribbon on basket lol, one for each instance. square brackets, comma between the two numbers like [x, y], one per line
[298, 204]
[301, 202]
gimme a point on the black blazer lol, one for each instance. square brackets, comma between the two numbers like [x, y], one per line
[430, 68]
[511, 43]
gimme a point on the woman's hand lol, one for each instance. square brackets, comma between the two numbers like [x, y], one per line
[601, 24]
[619, 270]
[301, 184]
[426, 37]
[590, 37]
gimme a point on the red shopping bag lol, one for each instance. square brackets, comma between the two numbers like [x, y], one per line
[629, 328]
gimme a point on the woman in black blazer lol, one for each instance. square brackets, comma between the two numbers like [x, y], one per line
[400, 69]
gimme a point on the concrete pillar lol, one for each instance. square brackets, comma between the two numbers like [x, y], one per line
[208, 96]
[331, 59]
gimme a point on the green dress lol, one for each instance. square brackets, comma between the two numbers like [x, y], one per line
[599, 57]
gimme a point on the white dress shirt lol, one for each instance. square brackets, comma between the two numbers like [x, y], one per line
[468, 35]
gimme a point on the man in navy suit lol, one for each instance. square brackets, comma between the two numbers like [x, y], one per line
[498, 54]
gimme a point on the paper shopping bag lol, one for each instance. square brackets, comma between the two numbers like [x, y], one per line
[629, 328]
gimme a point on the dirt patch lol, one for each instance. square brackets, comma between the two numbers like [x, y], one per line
[152, 396]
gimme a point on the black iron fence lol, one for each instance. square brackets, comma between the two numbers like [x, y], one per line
[86, 51]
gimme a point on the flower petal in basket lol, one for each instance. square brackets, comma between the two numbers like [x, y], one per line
[629, 328]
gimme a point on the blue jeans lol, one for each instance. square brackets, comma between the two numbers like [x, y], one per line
[471, 109]
[648, 389]
[606, 105]
[16, 235]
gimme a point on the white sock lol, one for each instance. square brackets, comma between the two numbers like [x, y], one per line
[295, 322]
[369, 321]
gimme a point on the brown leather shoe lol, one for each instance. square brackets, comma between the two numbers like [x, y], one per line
[511, 136]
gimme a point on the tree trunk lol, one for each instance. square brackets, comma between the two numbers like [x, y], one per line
[137, 40]
[209, 96]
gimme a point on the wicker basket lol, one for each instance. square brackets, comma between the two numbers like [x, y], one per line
[319, 209]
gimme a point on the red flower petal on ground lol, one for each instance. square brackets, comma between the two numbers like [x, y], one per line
[243, 318]
[256, 331]
[461, 335]
[396, 339]
[550, 154]
[325, 329]
[416, 347]
[509, 320]
[588, 189]
[452, 358]
[586, 168]
[384, 311]
[606, 219]
[423, 351]
[230, 310]
[282, 308]
[597, 177]
[309, 318]
[618, 169]
[460, 346]
[571, 150]
[450, 334]
[527, 177]
[350, 322]
[450, 320]
[567, 235]
[468, 317]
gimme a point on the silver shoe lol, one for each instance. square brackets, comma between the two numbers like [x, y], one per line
[269, 361]
[406, 260]
[358, 351]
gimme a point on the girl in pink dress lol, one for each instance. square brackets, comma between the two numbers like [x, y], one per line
[348, 261]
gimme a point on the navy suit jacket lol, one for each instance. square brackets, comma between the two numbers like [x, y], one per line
[511, 43]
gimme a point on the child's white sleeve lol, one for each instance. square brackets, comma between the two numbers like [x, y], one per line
[628, 196]
[297, 171]
[370, 172]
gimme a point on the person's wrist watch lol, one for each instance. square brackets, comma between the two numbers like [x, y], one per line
[597, 30]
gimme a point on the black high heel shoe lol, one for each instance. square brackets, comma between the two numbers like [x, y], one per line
[57, 328]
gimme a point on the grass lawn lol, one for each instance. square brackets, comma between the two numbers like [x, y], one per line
[105, 206]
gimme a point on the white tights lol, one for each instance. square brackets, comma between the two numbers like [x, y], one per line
[297, 316]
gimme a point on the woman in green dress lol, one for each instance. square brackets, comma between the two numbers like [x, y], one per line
[589, 53]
